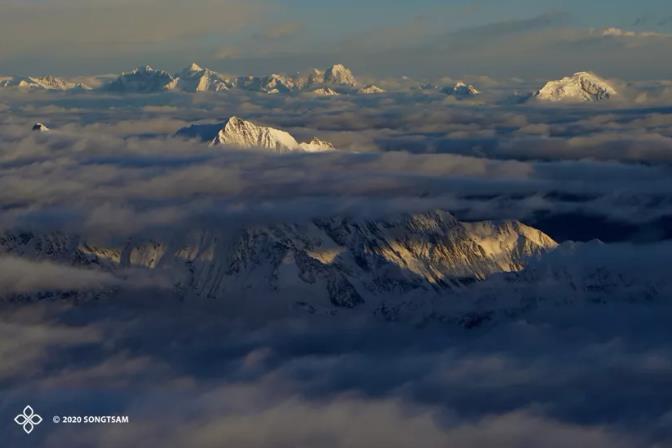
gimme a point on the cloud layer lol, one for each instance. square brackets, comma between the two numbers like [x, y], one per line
[338, 383]
[590, 374]
[113, 166]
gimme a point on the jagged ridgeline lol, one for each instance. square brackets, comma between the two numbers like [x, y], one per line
[581, 87]
[243, 134]
[331, 81]
[198, 79]
[332, 262]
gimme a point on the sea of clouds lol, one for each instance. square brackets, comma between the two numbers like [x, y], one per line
[207, 374]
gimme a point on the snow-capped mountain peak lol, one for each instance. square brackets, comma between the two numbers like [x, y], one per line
[580, 87]
[462, 90]
[48, 82]
[324, 91]
[339, 74]
[143, 79]
[246, 134]
[334, 80]
[194, 67]
[316, 145]
[40, 127]
[272, 84]
[199, 79]
[370, 89]
[144, 69]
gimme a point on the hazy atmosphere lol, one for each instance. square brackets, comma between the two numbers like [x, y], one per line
[266, 224]
[521, 38]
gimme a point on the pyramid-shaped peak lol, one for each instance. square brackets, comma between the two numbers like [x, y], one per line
[246, 134]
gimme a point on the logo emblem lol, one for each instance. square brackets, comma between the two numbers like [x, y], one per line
[28, 419]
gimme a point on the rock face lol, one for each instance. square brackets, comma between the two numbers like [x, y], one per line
[143, 80]
[339, 74]
[272, 84]
[50, 83]
[43, 83]
[331, 262]
[40, 127]
[462, 90]
[580, 87]
[324, 91]
[244, 134]
[316, 145]
[573, 273]
[198, 79]
[413, 267]
[324, 83]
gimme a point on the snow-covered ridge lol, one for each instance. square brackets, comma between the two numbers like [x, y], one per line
[339, 74]
[331, 81]
[246, 134]
[43, 83]
[412, 267]
[330, 262]
[324, 91]
[316, 145]
[575, 273]
[198, 79]
[462, 90]
[580, 87]
[51, 83]
[371, 89]
[195, 78]
[142, 79]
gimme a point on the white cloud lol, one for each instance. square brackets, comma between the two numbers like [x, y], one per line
[19, 276]
[619, 32]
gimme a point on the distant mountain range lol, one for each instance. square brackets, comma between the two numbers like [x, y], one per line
[195, 78]
[43, 83]
[198, 79]
[581, 87]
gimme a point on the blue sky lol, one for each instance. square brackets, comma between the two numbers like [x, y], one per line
[474, 12]
[522, 37]
[354, 15]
